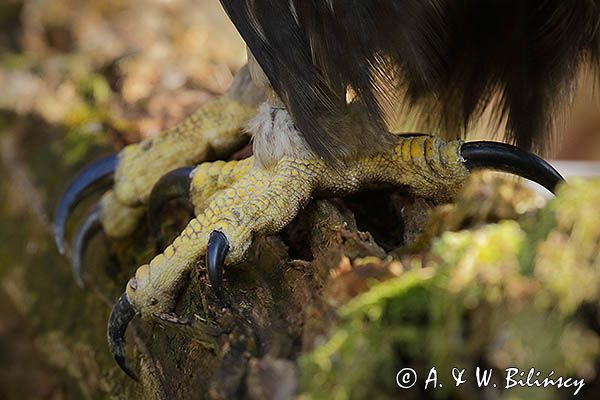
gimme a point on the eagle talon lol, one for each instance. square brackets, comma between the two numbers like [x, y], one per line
[311, 139]
[174, 185]
[263, 200]
[507, 158]
[214, 129]
[120, 317]
[218, 247]
[93, 178]
[90, 226]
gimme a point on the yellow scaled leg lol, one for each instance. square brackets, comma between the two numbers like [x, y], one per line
[208, 179]
[197, 185]
[236, 201]
[213, 131]
[264, 200]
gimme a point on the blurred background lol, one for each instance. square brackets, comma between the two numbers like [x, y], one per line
[81, 78]
[119, 70]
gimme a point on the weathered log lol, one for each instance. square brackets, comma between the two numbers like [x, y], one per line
[350, 293]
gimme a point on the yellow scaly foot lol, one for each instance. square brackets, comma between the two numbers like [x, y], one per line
[254, 199]
[215, 130]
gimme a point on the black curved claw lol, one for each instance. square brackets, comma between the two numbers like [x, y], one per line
[218, 246]
[175, 184]
[507, 158]
[92, 178]
[90, 226]
[120, 316]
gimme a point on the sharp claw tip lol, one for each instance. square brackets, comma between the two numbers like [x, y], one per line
[218, 246]
[92, 177]
[122, 313]
[58, 239]
[123, 365]
[61, 248]
[220, 295]
[511, 159]
[173, 185]
[88, 229]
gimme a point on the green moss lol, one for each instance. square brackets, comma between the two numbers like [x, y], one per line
[496, 297]
[354, 361]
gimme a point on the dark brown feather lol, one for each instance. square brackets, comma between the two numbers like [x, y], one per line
[456, 55]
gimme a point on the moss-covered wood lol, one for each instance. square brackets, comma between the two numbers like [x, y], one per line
[323, 310]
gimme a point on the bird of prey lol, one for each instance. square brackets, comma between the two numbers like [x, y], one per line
[322, 78]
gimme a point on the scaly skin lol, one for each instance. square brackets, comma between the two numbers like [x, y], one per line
[210, 178]
[213, 131]
[118, 220]
[264, 200]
